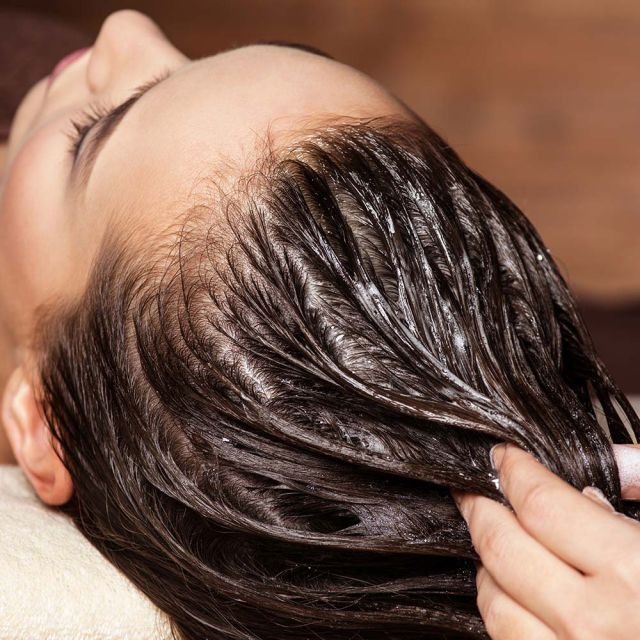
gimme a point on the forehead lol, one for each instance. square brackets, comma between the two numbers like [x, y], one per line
[205, 119]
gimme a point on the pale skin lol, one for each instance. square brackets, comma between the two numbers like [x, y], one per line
[210, 116]
[207, 119]
[563, 565]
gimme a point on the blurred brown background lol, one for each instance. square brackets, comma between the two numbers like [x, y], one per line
[542, 97]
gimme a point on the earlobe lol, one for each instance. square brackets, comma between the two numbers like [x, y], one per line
[31, 441]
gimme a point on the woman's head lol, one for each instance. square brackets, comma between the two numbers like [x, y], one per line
[136, 174]
[263, 412]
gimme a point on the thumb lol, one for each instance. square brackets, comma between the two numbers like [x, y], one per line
[628, 459]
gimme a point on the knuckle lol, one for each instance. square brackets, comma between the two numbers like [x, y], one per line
[580, 631]
[487, 607]
[572, 631]
[509, 460]
[579, 622]
[492, 542]
[536, 503]
[512, 463]
[626, 568]
[494, 615]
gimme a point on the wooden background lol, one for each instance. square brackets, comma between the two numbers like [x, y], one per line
[540, 96]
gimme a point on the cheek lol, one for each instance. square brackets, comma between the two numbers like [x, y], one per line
[33, 227]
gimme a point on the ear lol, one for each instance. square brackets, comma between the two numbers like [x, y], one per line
[33, 445]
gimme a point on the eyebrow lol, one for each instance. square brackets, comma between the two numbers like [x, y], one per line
[105, 127]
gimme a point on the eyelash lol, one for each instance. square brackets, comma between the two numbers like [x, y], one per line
[81, 125]
[91, 115]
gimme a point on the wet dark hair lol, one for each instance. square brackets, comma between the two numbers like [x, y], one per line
[263, 434]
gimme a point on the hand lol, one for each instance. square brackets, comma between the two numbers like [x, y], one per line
[562, 565]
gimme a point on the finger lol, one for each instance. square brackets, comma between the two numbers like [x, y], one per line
[628, 459]
[503, 617]
[595, 494]
[520, 565]
[557, 515]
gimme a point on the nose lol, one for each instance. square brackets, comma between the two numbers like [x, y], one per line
[130, 48]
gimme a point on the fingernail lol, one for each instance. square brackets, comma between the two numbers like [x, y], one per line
[628, 460]
[496, 454]
[595, 494]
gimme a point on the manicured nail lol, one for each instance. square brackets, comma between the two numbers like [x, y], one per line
[496, 454]
[595, 494]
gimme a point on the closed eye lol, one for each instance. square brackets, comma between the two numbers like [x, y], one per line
[103, 118]
[83, 124]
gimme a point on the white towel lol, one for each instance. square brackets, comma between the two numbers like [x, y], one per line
[54, 585]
